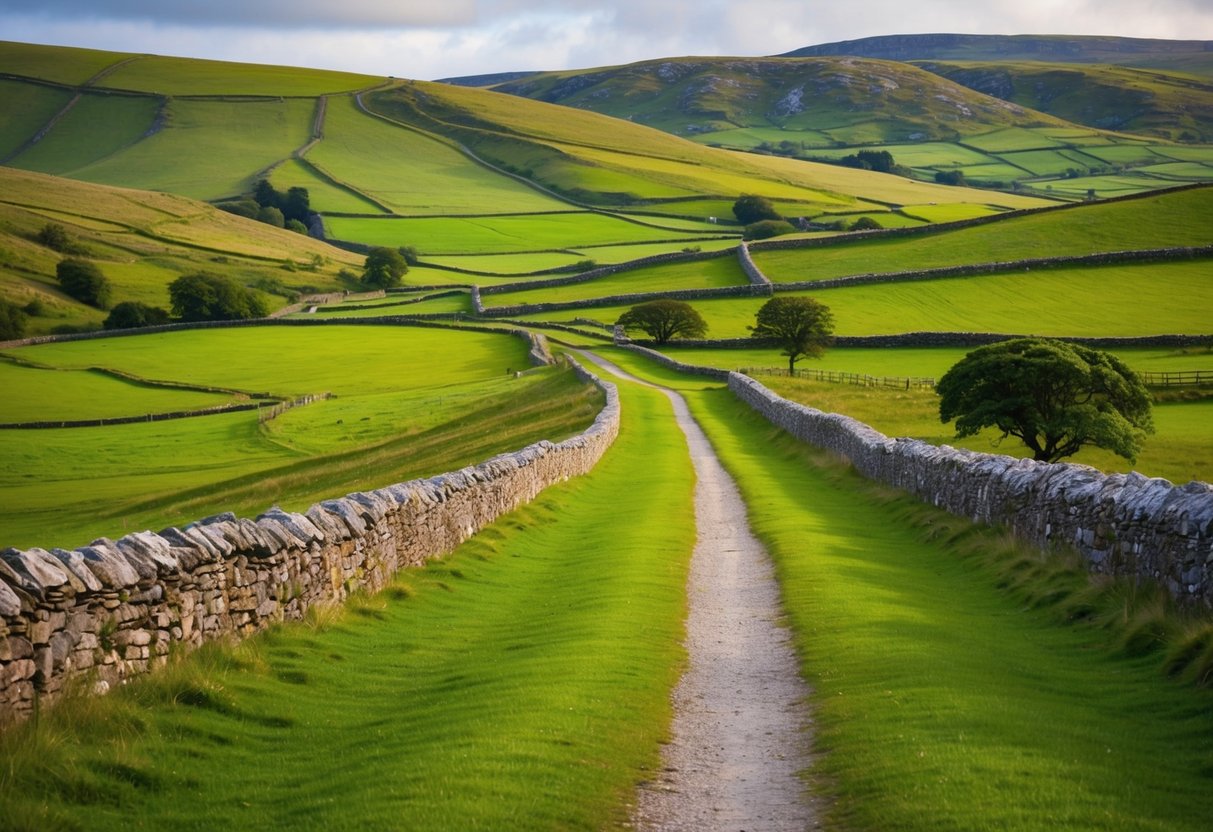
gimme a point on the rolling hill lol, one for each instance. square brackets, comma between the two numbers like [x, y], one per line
[1194, 56]
[1127, 99]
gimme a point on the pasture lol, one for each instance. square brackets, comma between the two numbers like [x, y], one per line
[1082, 302]
[1153, 221]
[509, 234]
[440, 406]
[542, 651]
[701, 274]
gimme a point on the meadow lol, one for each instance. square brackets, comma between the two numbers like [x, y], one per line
[524, 681]
[542, 651]
[439, 407]
[1081, 302]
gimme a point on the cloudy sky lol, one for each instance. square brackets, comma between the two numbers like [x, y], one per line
[429, 39]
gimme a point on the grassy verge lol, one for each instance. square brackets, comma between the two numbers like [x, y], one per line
[947, 694]
[521, 683]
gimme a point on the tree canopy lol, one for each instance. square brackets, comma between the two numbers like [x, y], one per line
[665, 319]
[210, 297]
[132, 314]
[384, 267]
[1054, 396]
[802, 326]
[84, 281]
[750, 209]
[12, 321]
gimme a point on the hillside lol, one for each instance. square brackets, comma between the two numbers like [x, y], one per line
[1194, 56]
[1151, 102]
[846, 100]
[142, 241]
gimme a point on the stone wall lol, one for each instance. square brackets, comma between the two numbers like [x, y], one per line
[114, 608]
[1122, 524]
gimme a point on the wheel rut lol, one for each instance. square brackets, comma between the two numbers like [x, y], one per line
[740, 734]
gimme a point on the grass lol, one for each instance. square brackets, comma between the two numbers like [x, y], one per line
[208, 149]
[324, 195]
[413, 173]
[47, 395]
[62, 64]
[28, 107]
[1091, 302]
[192, 76]
[504, 234]
[1176, 219]
[933, 687]
[440, 407]
[96, 127]
[702, 274]
[542, 652]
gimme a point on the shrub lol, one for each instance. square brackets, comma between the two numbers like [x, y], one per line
[54, 236]
[242, 208]
[210, 297]
[296, 226]
[131, 314]
[764, 229]
[384, 267]
[865, 224]
[83, 281]
[271, 216]
[12, 321]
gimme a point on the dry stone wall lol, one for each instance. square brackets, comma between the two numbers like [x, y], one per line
[1122, 524]
[113, 609]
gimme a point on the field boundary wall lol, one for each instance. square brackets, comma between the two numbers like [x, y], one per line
[1125, 525]
[106, 612]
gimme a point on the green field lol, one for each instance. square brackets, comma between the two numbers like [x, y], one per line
[701, 274]
[71, 485]
[1176, 219]
[192, 76]
[323, 192]
[505, 234]
[1083, 302]
[224, 143]
[28, 108]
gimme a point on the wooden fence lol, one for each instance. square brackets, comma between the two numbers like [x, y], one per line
[857, 379]
[1179, 378]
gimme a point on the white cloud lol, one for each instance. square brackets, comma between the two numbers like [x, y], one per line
[427, 39]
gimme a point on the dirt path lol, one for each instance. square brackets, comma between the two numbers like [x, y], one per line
[740, 711]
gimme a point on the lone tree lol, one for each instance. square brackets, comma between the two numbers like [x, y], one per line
[1054, 396]
[384, 267]
[664, 319]
[802, 326]
[12, 321]
[750, 209]
[211, 297]
[84, 282]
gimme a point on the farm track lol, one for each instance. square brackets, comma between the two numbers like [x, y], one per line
[739, 737]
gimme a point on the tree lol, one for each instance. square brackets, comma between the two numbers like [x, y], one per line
[84, 281]
[665, 319]
[12, 321]
[131, 314]
[54, 236]
[950, 177]
[1054, 396]
[802, 326]
[210, 297]
[750, 209]
[296, 226]
[384, 268]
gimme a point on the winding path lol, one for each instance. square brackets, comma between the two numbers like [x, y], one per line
[740, 710]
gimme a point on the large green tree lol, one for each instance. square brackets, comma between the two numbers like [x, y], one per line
[665, 319]
[1054, 396]
[211, 297]
[84, 281]
[383, 268]
[803, 327]
[133, 314]
[12, 321]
